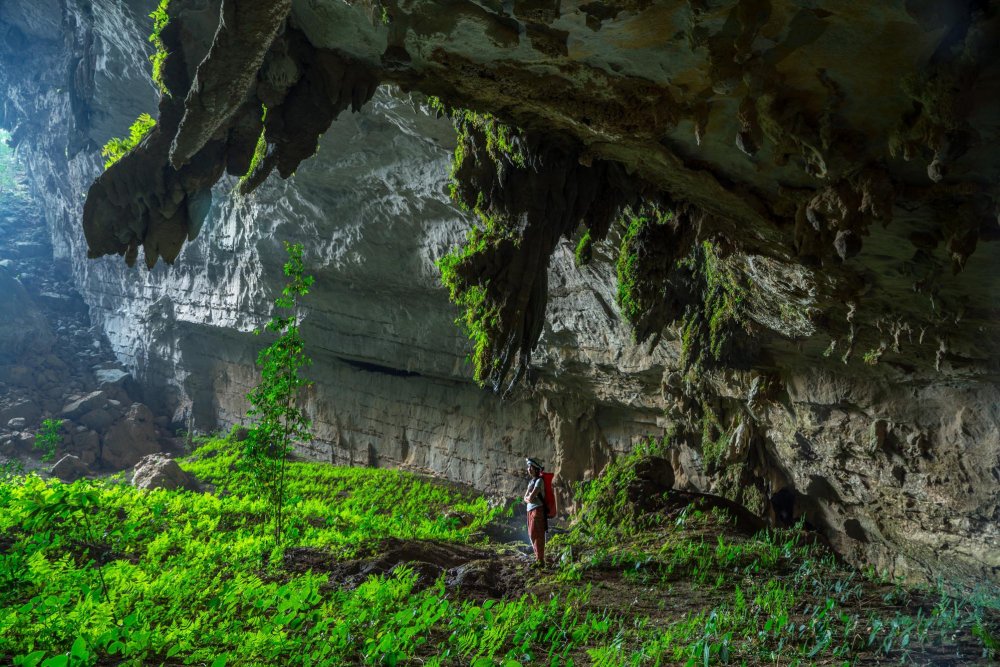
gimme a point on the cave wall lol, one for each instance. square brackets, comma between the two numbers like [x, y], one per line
[898, 463]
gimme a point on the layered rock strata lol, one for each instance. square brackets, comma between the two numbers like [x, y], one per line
[812, 214]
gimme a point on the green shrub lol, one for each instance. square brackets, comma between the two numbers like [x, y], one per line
[279, 421]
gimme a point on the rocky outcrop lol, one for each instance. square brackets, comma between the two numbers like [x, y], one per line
[807, 261]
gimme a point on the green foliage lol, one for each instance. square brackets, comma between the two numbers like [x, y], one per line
[182, 573]
[183, 583]
[278, 420]
[159, 57]
[714, 438]
[774, 598]
[260, 150]
[504, 149]
[116, 148]
[481, 316]
[631, 253]
[706, 330]
[606, 513]
[872, 356]
[584, 250]
[49, 438]
[504, 143]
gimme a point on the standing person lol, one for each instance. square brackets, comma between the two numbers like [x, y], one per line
[537, 519]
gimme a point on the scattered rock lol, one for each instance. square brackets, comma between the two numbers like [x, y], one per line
[158, 471]
[17, 423]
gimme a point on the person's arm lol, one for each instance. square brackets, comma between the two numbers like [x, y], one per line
[531, 495]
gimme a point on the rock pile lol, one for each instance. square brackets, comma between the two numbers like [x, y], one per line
[53, 364]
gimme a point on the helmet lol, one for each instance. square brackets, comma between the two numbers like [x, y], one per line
[534, 462]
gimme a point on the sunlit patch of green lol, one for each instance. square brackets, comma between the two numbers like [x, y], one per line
[505, 149]
[116, 148]
[872, 356]
[160, 55]
[192, 575]
[584, 250]
[480, 319]
[103, 573]
[260, 150]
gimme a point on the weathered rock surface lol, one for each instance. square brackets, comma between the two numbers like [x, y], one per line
[158, 471]
[864, 393]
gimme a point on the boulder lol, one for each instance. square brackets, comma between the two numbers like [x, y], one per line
[99, 420]
[87, 445]
[141, 413]
[130, 439]
[17, 423]
[115, 379]
[158, 471]
[24, 409]
[81, 406]
[70, 468]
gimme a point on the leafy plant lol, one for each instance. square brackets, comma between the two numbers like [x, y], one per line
[49, 438]
[159, 57]
[278, 420]
[116, 148]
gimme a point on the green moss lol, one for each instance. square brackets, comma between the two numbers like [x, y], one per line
[116, 148]
[707, 328]
[629, 267]
[481, 316]
[606, 513]
[504, 144]
[482, 308]
[159, 57]
[260, 151]
[584, 250]
[714, 438]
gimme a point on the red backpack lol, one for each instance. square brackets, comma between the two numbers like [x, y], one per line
[551, 507]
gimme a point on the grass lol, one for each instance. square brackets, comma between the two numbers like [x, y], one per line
[101, 573]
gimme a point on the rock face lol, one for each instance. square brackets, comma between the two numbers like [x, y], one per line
[806, 360]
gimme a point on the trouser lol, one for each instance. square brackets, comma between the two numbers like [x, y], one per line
[536, 532]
